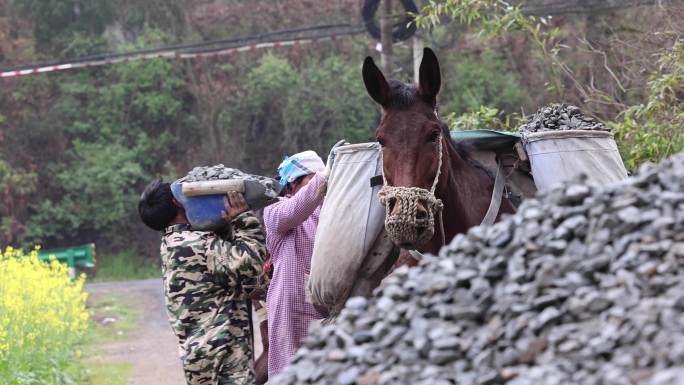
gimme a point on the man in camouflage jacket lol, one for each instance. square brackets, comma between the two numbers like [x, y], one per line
[207, 283]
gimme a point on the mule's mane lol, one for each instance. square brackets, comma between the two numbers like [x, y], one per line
[402, 95]
[463, 148]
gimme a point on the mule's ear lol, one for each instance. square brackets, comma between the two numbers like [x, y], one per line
[429, 77]
[375, 82]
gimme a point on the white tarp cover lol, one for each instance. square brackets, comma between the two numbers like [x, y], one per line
[351, 220]
[559, 156]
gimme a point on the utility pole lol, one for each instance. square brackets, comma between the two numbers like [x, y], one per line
[386, 36]
[417, 43]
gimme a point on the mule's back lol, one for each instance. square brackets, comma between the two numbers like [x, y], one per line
[486, 148]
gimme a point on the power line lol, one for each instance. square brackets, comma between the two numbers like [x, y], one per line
[289, 37]
[274, 39]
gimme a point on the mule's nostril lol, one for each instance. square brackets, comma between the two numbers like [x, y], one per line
[421, 211]
[392, 204]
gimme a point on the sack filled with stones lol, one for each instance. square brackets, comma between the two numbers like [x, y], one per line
[562, 143]
[202, 192]
[583, 285]
[562, 117]
[221, 172]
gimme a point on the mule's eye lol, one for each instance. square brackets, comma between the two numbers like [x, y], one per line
[434, 136]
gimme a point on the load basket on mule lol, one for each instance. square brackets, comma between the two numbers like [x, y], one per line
[353, 251]
[351, 248]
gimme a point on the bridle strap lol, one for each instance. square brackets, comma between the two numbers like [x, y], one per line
[441, 228]
[439, 165]
[434, 187]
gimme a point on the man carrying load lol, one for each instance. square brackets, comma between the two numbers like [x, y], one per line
[207, 283]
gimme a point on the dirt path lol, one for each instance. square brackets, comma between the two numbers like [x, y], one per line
[151, 348]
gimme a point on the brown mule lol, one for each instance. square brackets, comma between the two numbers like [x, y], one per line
[433, 189]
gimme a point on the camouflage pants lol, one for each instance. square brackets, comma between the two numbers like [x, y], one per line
[233, 365]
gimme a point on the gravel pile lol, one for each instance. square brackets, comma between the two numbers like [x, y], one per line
[220, 172]
[584, 285]
[560, 117]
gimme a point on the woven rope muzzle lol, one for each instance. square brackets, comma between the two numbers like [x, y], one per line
[401, 221]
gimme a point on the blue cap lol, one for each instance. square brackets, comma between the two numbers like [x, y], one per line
[298, 165]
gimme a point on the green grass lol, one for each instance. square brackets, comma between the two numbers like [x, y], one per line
[126, 316]
[107, 308]
[124, 267]
[107, 374]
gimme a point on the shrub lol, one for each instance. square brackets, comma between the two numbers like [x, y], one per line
[485, 118]
[487, 79]
[654, 130]
[43, 320]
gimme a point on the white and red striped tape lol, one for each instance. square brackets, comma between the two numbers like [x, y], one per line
[177, 54]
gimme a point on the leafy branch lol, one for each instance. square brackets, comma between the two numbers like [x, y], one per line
[486, 118]
[647, 131]
[653, 130]
[495, 18]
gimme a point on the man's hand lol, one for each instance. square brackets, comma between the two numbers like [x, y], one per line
[234, 204]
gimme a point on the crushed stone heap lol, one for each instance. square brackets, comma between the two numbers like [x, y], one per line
[221, 172]
[561, 117]
[584, 285]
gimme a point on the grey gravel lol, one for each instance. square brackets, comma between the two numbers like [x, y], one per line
[221, 172]
[560, 117]
[584, 285]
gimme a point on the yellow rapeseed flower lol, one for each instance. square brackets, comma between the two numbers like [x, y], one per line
[43, 317]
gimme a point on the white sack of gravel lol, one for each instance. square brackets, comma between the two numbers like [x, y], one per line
[351, 221]
[561, 156]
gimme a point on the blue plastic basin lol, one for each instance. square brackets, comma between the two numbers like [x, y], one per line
[204, 212]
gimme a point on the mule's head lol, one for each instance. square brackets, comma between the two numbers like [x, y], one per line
[411, 135]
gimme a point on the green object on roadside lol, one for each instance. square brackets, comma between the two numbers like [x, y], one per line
[76, 257]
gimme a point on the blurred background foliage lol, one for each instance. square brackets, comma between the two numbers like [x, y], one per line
[77, 147]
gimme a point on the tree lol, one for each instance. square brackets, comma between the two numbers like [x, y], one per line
[328, 103]
[608, 69]
[281, 109]
[15, 187]
[121, 126]
[481, 79]
[56, 21]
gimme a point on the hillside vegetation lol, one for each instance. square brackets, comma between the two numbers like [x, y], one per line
[77, 147]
